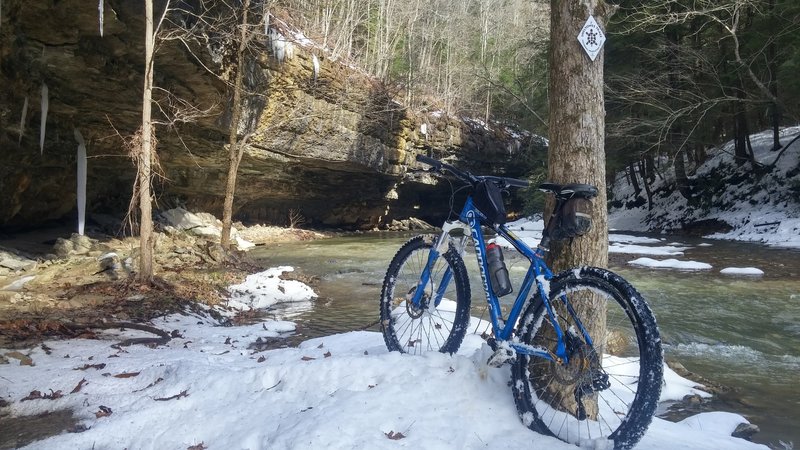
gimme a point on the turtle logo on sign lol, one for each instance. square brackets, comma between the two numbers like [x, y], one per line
[591, 38]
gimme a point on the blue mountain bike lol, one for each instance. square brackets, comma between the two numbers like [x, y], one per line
[587, 363]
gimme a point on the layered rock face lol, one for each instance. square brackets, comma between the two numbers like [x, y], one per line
[330, 145]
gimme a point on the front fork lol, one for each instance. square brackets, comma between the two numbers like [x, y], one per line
[453, 234]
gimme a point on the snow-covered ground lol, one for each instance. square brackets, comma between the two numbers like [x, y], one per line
[760, 208]
[211, 387]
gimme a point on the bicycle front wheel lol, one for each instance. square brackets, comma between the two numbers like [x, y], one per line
[428, 327]
[607, 390]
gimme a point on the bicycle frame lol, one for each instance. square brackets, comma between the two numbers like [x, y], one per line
[469, 224]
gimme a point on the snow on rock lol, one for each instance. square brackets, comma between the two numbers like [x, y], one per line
[264, 289]
[715, 422]
[670, 264]
[201, 224]
[741, 271]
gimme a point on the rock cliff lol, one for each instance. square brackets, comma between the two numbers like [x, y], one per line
[332, 146]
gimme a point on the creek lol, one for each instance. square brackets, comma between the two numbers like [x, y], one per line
[741, 332]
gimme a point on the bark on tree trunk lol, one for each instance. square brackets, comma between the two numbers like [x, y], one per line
[235, 148]
[145, 157]
[577, 153]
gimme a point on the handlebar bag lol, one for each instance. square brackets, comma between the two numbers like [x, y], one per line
[489, 200]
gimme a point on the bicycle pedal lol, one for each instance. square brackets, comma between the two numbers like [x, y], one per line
[500, 357]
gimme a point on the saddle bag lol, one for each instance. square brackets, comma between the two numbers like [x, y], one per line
[574, 219]
[489, 200]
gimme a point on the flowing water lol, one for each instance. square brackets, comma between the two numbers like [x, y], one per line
[742, 332]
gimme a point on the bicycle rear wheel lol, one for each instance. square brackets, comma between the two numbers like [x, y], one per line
[410, 329]
[607, 391]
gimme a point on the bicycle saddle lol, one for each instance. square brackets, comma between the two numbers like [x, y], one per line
[568, 191]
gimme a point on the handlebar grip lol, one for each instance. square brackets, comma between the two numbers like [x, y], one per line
[429, 161]
[517, 182]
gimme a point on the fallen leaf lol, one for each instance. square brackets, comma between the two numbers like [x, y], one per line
[150, 385]
[320, 345]
[24, 360]
[32, 396]
[394, 436]
[77, 428]
[105, 411]
[47, 350]
[91, 366]
[307, 358]
[53, 395]
[327, 354]
[174, 397]
[79, 386]
[36, 395]
[227, 341]
[199, 446]
[261, 359]
[126, 375]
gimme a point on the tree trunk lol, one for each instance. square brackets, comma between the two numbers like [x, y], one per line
[634, 179]
[773, 82]
[681, 179]
[235, 148]
[741, 134]
[646, 183]
[145, 156]
[577, 153]
[577, 121]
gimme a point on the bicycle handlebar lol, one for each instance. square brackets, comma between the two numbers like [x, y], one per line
[470, 178]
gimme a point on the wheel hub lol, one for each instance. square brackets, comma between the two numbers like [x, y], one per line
[413, 310]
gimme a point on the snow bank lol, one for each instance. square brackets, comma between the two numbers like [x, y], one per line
[345, 391]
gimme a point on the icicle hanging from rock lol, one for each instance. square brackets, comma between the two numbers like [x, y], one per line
[315, 60]
[100, 16]
[45, 106]
[22, 119]
[281, 47]
[81, 181]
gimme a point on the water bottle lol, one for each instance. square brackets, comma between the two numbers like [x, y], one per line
[498, 274]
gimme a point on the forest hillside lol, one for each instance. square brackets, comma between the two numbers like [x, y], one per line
[748, 201]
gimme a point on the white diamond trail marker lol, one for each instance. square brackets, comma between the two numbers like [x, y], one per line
[591, 38]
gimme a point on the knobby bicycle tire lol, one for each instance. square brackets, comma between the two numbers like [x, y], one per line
[414, 330]
[550, 395]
